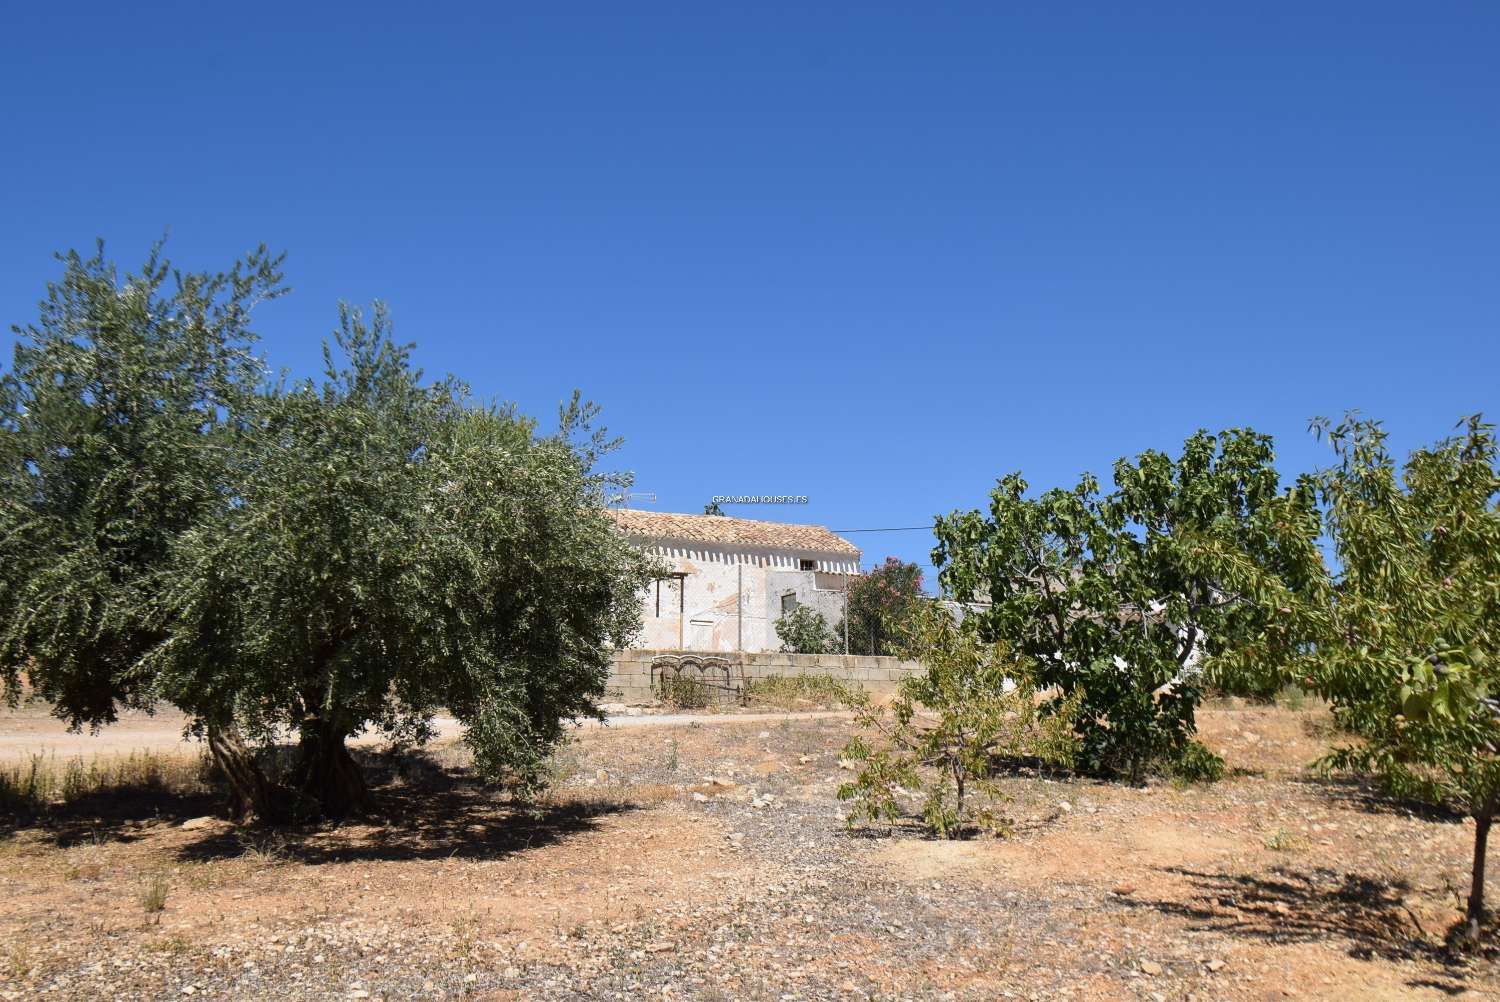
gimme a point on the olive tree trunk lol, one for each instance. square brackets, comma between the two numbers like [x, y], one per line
[327, 774]
[252, 797]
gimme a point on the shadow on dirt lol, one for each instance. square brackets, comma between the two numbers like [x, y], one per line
[121, 814]
[423, 810]
[1359, 794]
[1319, 904]
[460, 824]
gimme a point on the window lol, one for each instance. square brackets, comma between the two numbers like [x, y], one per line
[807, 565]
[788, 602]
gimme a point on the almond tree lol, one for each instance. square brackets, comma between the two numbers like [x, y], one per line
[974, 709]
[1410, 661]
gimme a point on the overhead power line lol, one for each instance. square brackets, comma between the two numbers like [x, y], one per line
[899, 528]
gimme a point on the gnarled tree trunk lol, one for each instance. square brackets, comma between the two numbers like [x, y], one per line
[327, 774]
[252, 797]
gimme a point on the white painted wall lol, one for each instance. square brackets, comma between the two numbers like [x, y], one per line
[732, 595]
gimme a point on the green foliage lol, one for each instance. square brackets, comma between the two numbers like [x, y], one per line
[942, 738]
[879, 604]
[804, 631]
[122, 403]
[1409, 658]
[1190, 569]
[712, 508]
[1196, 764]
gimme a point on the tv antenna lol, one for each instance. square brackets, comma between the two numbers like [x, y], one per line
[623, 500]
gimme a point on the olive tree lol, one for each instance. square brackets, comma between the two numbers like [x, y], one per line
[390, 549]
[1189, 567]
[1411, 657]
[122, 404]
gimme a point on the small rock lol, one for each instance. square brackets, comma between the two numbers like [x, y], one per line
[1150, 967]
[193, 824]
[699, 798]
[1215, 965]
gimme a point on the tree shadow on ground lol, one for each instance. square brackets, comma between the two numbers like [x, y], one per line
[423, 810]
[121, 814]
[1360, 794]
[1320, 904]
[463, 823]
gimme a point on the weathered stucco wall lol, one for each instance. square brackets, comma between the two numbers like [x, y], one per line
[632, 678]
[731, 597]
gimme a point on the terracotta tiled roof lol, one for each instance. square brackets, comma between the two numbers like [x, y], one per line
[725, 530]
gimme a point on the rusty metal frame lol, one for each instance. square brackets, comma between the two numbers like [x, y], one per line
[722, 679]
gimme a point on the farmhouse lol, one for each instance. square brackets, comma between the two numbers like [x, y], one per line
[729, 579]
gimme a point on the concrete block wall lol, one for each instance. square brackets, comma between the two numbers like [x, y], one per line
[631, 678]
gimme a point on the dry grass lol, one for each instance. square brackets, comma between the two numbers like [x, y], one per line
[45, 781]
[684, 692]
[154, 896]
[592, 801]
[804, 692]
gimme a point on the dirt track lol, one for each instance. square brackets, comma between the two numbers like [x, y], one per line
[31, 731]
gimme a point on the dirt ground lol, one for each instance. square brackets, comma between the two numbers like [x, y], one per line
[711, 862]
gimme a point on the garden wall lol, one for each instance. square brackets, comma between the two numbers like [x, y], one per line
[632, 680]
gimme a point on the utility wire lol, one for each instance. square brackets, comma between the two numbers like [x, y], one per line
[899, 528]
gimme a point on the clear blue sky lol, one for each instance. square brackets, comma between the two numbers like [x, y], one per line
[874, 254]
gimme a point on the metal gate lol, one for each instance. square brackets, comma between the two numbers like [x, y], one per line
[692, 680]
